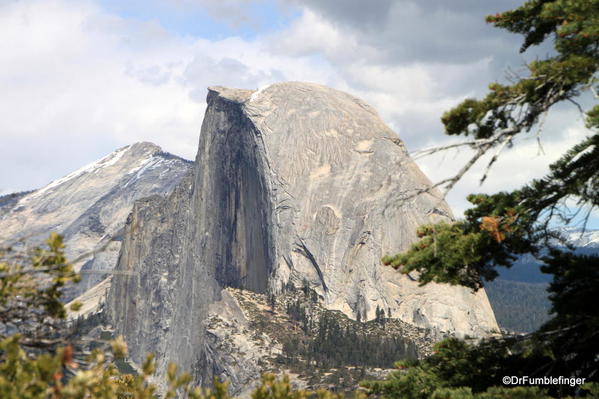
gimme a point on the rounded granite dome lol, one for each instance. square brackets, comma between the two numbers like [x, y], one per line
[340, 187]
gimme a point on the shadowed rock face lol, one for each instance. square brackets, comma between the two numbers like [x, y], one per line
[295, 183]
[212, 231]
[231, 193]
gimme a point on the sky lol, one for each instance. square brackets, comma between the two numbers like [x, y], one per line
[81, 78]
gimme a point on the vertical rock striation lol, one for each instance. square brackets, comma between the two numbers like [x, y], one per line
[160, 304]
[294, 184]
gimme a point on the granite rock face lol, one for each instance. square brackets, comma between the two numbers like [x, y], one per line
[294, 184]
[89, 206]
[338, 180]
[161, 305]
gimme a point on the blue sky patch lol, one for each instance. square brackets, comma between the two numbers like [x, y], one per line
[214, 22]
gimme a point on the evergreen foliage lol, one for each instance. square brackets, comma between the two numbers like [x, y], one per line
[328, 344]
[42, 377]
[461, 370]
[380, 316]
[34, 351]
[501, 227]
[30, 287]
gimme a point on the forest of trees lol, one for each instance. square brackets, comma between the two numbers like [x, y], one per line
[329, 344]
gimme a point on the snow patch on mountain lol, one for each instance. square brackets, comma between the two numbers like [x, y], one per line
[89, 206]
[95, 167]
[583, 239]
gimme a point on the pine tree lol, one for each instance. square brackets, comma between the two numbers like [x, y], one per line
[272, 301]
[31, 285]
[501, 227]
[30, 297]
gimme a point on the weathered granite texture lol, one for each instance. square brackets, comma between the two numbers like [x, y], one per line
[296, 183]
[90, 206]
[337, 178]
[245, 337]
[160, 308]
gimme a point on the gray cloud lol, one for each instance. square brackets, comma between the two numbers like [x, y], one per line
[108, 81]
[434, 32]
[363, 15]
[446, 46]
[439, 31]
[414, 60]
[204, 71]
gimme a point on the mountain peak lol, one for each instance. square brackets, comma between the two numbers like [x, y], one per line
[120, 159]
[112, 182]
[144, 146]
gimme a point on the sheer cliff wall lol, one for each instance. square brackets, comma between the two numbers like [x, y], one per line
[296, 183]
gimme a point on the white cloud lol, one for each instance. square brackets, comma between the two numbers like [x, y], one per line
[515, 167]
[236, 13]
[311, 34]
[78, 82]
[70, 93]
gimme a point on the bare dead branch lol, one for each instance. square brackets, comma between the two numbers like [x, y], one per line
[432, 150]
[506, 141]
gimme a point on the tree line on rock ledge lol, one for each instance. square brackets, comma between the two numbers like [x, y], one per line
[327, 343]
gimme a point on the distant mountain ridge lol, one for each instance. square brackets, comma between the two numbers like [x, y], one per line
[90, 205]
[144, 169]
[583, 239]
[519, 296]
[526, 268]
